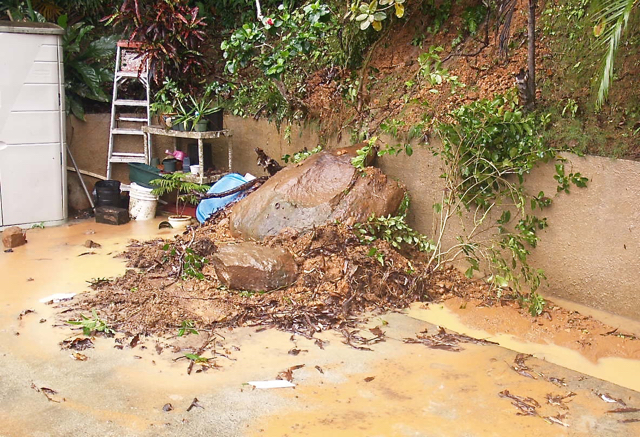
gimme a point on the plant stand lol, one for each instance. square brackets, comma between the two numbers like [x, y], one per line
[200, 137]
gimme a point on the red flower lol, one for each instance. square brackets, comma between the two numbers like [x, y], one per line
[269, 21]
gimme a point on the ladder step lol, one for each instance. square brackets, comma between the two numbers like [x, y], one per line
[128, 154]
[122, 131]
[127, 157]
[126, 102]
[136, 119]
[130, 74]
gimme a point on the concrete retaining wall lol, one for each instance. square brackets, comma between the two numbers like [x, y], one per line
[590, 252]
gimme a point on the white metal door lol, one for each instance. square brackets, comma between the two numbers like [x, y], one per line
[30, 163]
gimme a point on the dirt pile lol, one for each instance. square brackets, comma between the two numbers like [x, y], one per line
[337, 282]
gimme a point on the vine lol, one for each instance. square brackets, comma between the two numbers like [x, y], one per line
[488, 148]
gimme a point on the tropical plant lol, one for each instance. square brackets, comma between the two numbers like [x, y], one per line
[92, 324]
[19, 10]
[611, 20]
[283, 46]
[185, 190]
[374, 13]
[172, 34]
[192, 109]
[51, 10]
[487, 150]
[86, 65]
[167, 98]
[393, 229]
[432, 70]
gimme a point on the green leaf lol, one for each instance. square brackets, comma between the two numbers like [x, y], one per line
[469, 272]
[501, 282]
[408, 150]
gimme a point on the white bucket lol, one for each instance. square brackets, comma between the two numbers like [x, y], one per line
[142, 204]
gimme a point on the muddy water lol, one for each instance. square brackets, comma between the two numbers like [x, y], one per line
[51, 263]
[621, 371]
[422, 392]
[622, 323]
[122, 392]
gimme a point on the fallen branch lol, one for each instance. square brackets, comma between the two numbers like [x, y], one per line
[235, 190]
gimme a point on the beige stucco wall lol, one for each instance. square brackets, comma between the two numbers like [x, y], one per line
[590, 252]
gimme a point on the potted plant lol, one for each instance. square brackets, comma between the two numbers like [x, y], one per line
[166, 102]
[193, 111]
[185, 194]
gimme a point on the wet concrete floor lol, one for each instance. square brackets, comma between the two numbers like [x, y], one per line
[397, 389]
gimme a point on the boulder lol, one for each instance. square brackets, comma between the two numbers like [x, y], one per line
[323, 188]
[13, 237]
[249, 266]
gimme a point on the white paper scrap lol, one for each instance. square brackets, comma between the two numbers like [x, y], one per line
[58, 297]
[276, 383]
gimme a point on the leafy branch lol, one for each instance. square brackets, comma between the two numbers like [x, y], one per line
[487, 150]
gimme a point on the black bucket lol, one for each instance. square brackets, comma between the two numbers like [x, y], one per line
[108, 193]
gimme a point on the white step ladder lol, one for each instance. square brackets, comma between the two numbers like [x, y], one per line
[129, 66]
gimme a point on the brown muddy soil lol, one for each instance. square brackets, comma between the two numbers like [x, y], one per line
[339, 285]
[338, 282]
[557, 325]
[393, 88]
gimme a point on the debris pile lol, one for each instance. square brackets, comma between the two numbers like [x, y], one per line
[337, 281]
[307, 272]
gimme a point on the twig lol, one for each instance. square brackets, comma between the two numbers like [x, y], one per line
[235, 190]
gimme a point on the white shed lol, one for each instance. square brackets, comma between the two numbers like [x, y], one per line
[33, 184]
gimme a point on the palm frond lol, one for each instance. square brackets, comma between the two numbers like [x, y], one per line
[612, 17]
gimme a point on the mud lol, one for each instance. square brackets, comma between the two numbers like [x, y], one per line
[435, 394]
[617, 357]
[396, 389]
[338, 281]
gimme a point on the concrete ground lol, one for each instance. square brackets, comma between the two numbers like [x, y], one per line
[397, 389]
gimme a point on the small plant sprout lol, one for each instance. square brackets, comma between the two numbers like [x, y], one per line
[197, 358]
[301, 155]
[91, 325]
[187, 327]
[536, 304]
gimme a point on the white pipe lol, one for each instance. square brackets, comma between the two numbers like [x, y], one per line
[260, 17]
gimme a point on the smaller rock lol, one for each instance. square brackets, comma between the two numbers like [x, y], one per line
[91, 244]
[13, 237]
[250, 266]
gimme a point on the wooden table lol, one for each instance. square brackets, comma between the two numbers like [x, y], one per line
[199, 136]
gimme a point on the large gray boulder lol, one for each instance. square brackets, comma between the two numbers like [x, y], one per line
[249, 266]
[323, 188]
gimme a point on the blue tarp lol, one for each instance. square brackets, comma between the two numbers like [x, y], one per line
[227, 182]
